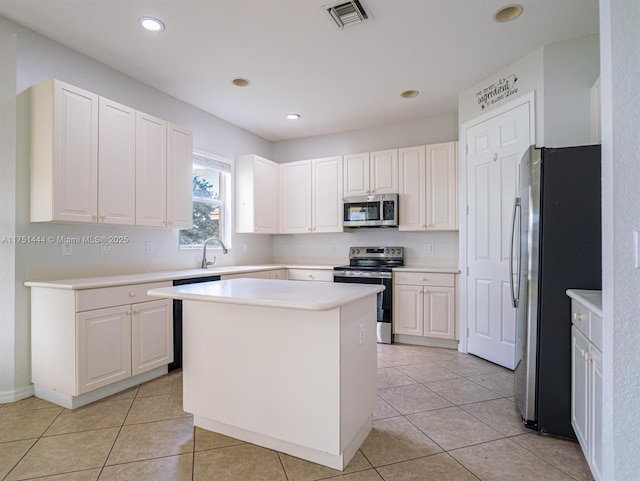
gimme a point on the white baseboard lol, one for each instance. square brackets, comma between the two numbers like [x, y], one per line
[16, 394]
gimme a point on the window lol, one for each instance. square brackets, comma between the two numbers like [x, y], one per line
[211, 201]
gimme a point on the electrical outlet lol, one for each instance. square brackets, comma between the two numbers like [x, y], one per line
[245, 248]
[285, 248]
[430, 248]
[361, 333]
[332, 248]
[148, 248]
[67, 249]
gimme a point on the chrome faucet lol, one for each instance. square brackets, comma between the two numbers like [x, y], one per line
[205, 263]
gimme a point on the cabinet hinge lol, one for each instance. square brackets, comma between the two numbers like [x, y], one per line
[467, 209]
[467, 270]
[466, 149]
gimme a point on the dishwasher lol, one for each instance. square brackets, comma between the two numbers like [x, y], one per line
[177, 319]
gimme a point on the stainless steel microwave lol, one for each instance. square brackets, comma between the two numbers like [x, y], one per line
[371, 211]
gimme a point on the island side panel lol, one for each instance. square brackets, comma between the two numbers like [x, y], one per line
[359, 376]
[271, 371]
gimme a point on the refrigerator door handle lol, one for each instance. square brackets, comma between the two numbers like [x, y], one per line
[515, 293]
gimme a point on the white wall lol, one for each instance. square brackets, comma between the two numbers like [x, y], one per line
[420, 131]
[528, 72]
[8, 326]
[561, 74]
[620, 37]
[38, 59]
[570, 70]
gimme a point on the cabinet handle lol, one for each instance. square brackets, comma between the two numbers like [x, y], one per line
[132, 293]
[577, 317]
[135, 312]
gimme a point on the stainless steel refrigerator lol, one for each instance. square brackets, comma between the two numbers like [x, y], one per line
[555, 245]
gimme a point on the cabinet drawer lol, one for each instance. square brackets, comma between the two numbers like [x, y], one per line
[310, 275]
[424, 279]
[596, 330]
[580, 317]
[88, 299]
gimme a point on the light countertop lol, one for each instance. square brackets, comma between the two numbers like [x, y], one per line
[142, 278]
[592, 300]
[311, 296]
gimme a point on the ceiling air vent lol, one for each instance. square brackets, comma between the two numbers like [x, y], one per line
[348, 13]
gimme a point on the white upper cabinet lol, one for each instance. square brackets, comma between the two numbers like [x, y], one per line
[64, 153]
[296, 197]
[326, 191]
[94, 160]
[383, 171]
[179, 177]
[371, 173]
[256, 194]
[311, 196]
[151, 170]
[117, 163]
[429, 187]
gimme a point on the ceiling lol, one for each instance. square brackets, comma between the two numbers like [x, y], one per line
[298, 60]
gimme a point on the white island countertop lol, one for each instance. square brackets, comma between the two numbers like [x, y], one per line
[310, 296]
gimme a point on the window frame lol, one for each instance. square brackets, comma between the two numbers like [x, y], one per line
[224, 165]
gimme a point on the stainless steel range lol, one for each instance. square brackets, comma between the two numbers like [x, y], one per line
[373, 265]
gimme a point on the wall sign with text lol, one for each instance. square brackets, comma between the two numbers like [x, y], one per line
[498, 91]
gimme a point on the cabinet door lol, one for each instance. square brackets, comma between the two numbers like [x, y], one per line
[116, 163]
[296, 197]
[326, 191]
[151, 171]
[412, 177]
[356, 174]
[383, 175]
[442, 187]
[75, 154]
[596, 413]
[179, 177]
[266, 187]
[103, 347]
[151, 335]
[439, 312]
[408, 310]
[580, 389]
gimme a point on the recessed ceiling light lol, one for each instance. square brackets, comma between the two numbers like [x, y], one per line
[508, 13]
[151, 24]
[409, 94]
[293, 116]
[240, 82]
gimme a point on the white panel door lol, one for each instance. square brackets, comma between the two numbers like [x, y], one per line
[266, 185]
[151, 171]
[494, 149]
[408, 310]
[117, 163]
[326, 192]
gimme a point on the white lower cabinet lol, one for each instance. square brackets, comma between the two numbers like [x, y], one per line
[586, 385]
[89, 343]
[424, 304]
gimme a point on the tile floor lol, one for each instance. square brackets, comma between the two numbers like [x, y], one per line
[441, 416]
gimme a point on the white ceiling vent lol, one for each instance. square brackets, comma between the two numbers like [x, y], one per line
[349, 13]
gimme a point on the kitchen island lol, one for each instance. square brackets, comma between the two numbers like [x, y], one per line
[288, 365]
